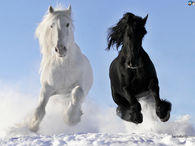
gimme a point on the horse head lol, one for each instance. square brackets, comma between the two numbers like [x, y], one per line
[55, 32]
[128, 33]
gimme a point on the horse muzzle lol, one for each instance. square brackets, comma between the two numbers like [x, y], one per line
[132, 66]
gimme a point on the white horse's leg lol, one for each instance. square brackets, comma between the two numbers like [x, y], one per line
[45, 94]
[74, 113]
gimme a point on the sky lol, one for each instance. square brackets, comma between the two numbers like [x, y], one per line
[169, 43]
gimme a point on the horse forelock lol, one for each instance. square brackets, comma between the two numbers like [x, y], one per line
[126, 27]
[48, 19]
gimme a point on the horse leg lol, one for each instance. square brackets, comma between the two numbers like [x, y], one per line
[45, 94]
[73, 113]
[123, 106]
[126, 110]
[135, 106]
[163, 107]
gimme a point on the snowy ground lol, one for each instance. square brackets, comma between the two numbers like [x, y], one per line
[102, 139]
[99, 126]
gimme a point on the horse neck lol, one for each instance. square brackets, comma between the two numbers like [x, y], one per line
[74, 51]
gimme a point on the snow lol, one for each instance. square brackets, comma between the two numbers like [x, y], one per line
[99, 126]
[101, 139]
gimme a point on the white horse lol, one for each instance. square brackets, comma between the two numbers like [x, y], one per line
[64, 69]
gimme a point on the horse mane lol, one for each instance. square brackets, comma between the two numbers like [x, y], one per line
[116, 33]
[43, 33]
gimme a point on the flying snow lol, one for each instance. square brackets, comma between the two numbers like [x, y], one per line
[99, 126]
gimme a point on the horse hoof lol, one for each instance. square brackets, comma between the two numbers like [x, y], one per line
[72, 116]
[166, 118]
[34, 128]
[129, 115]
[34, 125]
[139, 119]
[123, 113]
[163, 110]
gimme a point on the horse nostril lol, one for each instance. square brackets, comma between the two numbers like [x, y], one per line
[65, 48]
[56, 49]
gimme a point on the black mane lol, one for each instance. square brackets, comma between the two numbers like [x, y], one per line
[128, 22]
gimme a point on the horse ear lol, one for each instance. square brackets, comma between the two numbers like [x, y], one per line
[70, 9]
[50, 9]
[145, 19]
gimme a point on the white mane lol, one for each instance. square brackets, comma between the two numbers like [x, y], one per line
[43, 32]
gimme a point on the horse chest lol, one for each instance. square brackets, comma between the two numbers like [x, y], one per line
[62, 76]
[135, 79]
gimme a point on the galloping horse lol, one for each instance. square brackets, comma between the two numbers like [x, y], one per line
[132, 73]
[64, 69]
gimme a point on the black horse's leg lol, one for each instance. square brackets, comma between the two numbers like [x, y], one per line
[163, 107]
[125, 110]
[123, 105]
[135, 106]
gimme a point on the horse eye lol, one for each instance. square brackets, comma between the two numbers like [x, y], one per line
[51, 26]
[67, 25]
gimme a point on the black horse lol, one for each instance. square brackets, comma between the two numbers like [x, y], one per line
[132, 73]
